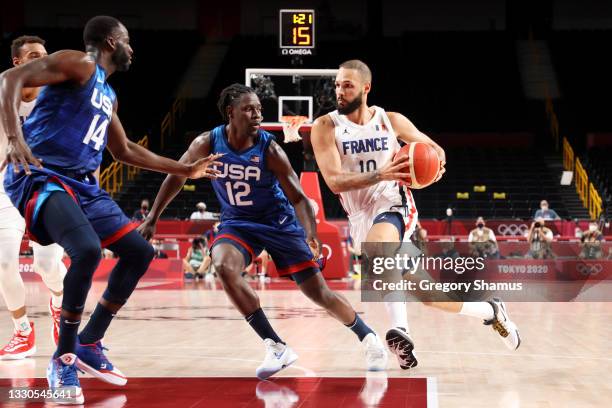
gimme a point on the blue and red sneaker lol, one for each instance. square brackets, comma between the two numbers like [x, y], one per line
[63, 379]
[91, 359]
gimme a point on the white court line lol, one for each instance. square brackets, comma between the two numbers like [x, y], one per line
[432, 392]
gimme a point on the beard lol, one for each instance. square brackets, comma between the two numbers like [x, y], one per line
[121, 59]
[351, 106]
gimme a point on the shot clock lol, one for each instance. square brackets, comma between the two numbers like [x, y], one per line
[297, 32]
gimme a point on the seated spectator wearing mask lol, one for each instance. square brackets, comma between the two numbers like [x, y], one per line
[140, 215]
[483, 243]
[540, 238]
[546, 212]
[590, 243]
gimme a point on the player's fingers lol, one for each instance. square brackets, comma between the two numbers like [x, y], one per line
[15, 163]
[3, 165]
[210, 175]
[401, 159]
[400, 176]
[34, 160]
[404, 167]
[213, 157]
[25, 165]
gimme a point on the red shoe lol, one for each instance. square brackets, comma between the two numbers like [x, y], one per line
[20, 346]
[55, 316]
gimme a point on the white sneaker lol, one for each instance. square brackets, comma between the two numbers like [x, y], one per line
[376, 355]
[502, 324]
[209, 277]
[400, 343]
[278, 356]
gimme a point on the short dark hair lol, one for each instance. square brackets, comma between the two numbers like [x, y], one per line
[359, 66]
[21, 41]
[98, 29]
[230, 95]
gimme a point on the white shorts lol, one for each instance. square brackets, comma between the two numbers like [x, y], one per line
[9, 216]
[12, 220]
[361, 222]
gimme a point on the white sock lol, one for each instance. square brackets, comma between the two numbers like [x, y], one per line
[398, 314]
[22, 324]
[56, 301]
[481, 310]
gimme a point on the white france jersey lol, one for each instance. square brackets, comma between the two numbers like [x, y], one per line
[365, 148]
[25, 108]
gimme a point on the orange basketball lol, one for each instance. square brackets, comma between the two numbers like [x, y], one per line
[424, 164]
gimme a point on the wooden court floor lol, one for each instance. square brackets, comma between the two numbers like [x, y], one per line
[167, 333]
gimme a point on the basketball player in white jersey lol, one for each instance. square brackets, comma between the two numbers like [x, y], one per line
[354, 147]
[48, 259]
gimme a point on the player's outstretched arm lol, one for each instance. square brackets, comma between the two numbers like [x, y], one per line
[62, 66]
[278, 163]
[407, 132]
[172, 185]
[126, 151]
[328, 160]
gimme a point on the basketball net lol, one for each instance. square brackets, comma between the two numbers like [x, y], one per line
[291, 127]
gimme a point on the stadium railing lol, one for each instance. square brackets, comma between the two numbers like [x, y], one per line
[113, 177]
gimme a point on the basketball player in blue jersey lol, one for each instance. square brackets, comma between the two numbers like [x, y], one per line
[262, 207]
[74, 119]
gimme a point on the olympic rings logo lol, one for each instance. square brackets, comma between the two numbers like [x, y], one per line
[512, 230]
[588, 269]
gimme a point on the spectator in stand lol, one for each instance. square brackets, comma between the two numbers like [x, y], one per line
[546, 212]
[197, 261]
[482, 241]
[591, 243]
[156, 243]
[540, 238]
[202, 214]
[141, 214]
[448, 250]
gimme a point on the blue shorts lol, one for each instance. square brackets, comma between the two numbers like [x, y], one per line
[28, 194]
[286, 245]
[394, 218]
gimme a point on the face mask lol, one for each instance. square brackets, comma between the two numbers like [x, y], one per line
[480, 225]
[449, 212]
[144, 208]
[544, 207]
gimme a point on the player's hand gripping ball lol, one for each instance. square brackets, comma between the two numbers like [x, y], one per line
[424, 164]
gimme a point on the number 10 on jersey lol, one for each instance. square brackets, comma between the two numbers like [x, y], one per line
[367, 166]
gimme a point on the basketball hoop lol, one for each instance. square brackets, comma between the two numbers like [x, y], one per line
[291, 127]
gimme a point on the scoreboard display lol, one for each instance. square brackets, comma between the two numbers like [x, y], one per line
[297, 32]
